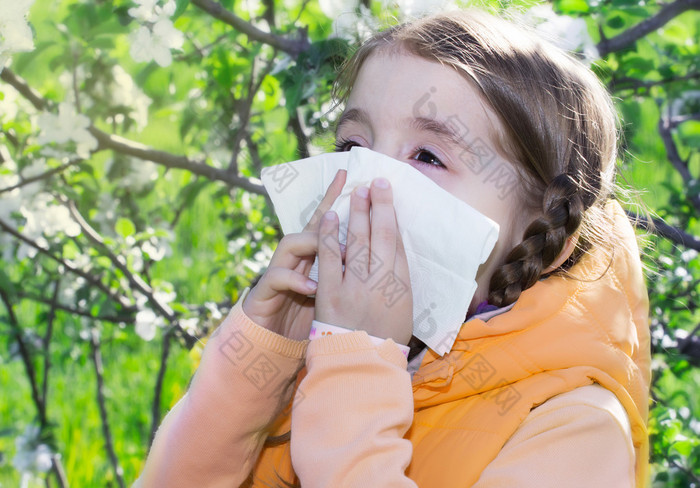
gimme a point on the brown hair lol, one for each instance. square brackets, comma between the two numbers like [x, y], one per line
[560, 130]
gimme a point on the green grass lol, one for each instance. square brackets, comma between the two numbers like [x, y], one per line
[130, 367]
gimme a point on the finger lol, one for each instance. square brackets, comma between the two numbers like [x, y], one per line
[358, 243]
[383, 225]
[293, 247]
[401, 261]
[332, 193]
[330, 271]
[277, 280]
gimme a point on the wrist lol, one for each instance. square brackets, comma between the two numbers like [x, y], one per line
[321, 329]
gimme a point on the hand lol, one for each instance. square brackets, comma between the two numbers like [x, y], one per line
[374, 291]
[279, 301]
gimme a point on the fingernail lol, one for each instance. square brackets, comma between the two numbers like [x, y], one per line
[330, 215]
[381, 183]
[311, 284]
[362, 191]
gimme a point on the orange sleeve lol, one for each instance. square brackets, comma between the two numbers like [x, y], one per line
[577, 439]
[212, 437]
[350, 414]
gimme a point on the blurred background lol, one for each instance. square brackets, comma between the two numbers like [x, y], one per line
[132, 135]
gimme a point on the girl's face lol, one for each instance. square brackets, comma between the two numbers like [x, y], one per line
[429, 116]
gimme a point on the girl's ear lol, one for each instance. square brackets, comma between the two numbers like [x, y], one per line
[564, 254]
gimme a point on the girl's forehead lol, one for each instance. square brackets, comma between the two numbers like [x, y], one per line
[396, 86]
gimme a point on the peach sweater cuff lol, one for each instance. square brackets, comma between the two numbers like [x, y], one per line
[263, 337]
[356, 341]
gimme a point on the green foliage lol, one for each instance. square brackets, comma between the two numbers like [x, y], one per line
[137, 225]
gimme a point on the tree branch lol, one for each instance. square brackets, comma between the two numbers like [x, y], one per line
[137, 150]
[94, 281]
[245, 112]
[58, 471]
[120, 263]
[628, 83]
[26, 357]
[679, 119]
[140, 151]
[155, 410]
[298, 130]
[24, 89]
[128, 319]
[662, 229]
[269, 14]
[42, 176]
[47, 343]
[673, 156]
[631, 35]
[292, 46]
[99, 373]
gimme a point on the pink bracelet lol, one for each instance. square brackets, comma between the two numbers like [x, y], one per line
[321, 329]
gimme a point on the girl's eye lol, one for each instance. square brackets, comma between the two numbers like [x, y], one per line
[426, 157]
[342, 145]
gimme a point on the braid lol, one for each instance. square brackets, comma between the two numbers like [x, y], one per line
[543, 241]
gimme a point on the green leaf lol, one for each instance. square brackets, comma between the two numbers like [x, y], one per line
[572, 6]
[124, 227]
[689, 133]
[181, 6]
[6, 283]
[616, 22]
[638, 63]
[684, 447]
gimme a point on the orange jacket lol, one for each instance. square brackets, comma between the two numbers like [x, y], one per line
[355, 422]
[561, 334]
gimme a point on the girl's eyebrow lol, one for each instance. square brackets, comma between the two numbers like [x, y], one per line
[442, 130]
[353, 115]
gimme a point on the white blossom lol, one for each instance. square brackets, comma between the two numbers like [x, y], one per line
[689, 255]
[156, 249]
[67, 126]
[189, 325]
[141, 175]
[12, 103]
[146, 323]
[44, 219]
[135, 258]
[150, 11]
[36, 168]
[568, 33]
[31, 456]
[165, 296]
[213, 310]
[123, 91]
[15, 33]
[155, 43]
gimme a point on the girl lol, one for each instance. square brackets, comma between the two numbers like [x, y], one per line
[547, 382]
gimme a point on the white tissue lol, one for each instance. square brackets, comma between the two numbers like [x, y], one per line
[445, 239]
